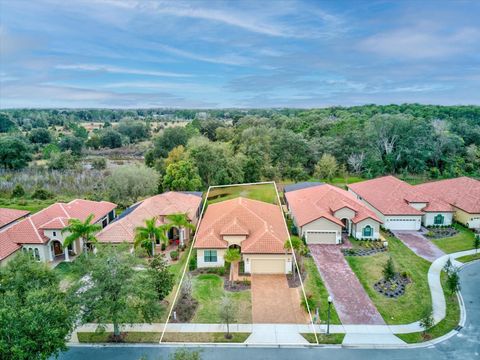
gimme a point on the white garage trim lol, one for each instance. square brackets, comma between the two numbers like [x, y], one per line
[322, 237]
[403, 222]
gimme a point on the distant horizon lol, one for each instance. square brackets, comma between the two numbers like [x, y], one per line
[208, 54]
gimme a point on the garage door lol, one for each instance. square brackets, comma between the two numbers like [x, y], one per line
[474, 223]
[402, 224]
[321, 237]
[268, 266]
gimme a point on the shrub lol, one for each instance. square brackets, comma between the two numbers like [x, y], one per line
[308, 300]
[99, 163]
[163, 246]
[389, 269]
[18, 191]
[174, 255]
[42, 194]
[192, 263]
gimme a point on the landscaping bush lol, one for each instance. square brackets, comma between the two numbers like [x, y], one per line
[42, 194]
[163, 246]
[389, 269]
[18, 191]
[310, 301]
[192, 263]
[174, 255]
[99, 163]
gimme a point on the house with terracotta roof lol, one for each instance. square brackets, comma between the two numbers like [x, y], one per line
[10, 216]
[41, 233]
[322, 213]
[462, 193]
[255, 227]
[402, 206]
[159, 207]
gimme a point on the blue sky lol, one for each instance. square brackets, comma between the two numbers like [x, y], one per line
[138, 53]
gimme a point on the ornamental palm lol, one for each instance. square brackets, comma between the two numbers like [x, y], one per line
[81, 230]
[181, 221]
[146, 236]
[232, 256]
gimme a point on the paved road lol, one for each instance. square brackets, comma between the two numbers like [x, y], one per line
[466, 345]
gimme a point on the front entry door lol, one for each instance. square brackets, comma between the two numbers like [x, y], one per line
[57, 248]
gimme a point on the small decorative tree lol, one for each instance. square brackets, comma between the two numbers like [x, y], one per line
[453, 281]
[227, 314]
[389, 269]
[448, 266]
[232, 256]
[427, 321]
[476, 242]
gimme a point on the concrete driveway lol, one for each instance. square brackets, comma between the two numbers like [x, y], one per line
[273, 302]
[352, 303]
[419, 244]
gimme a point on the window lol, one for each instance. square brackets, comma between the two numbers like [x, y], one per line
[367, 231]
[210, 256]
[54, 233]
[37, 255]
[438, 219]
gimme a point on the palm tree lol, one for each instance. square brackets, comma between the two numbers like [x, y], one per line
[232, 256]
[298, 248]
[81, 230]
[146, 236]
[180, 221]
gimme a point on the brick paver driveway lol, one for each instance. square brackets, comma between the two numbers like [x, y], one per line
[419, 244]
[273, 302]
[350, 299]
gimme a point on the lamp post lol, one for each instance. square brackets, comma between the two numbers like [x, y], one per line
[328, 316]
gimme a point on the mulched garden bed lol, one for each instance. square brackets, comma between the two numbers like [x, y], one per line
[392, 288]
[184, 309]
[295, 282]
[235, 286]
[439, 233]
[364, 252]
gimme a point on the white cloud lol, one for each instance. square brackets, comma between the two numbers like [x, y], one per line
[119, 70]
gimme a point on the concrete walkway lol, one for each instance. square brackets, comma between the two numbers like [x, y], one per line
[352, 303]
[419, 244]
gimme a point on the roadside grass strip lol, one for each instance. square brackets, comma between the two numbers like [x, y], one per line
[468, 258]
[323, 338]
[196, 337]
[460, 242]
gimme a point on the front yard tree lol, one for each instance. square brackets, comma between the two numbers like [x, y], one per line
[227, 314]
[146, 236]
[84, 230]
[232, 256]
[116, 293]
[180, 221]
[453, 281]
[389, 269]
[163, 279]
[476, 242]
[35, 316]
[427, 321]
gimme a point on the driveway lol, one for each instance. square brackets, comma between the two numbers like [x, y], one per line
[419, 244]
[350, 299]
[273, 302]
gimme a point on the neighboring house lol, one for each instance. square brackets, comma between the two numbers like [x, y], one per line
[322, 213]
[10, 216]
[402, 206]
[41, 233]
[462, 193]
[158, 206]
[255, 227]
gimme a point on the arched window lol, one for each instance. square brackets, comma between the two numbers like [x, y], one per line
[439, 219]
[367, 231]
[37, 255]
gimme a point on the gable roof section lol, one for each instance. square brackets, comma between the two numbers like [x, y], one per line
[8, 216]
[123, 229]
[391, 196]
[462, 192]
[263, 221]
[310, 204]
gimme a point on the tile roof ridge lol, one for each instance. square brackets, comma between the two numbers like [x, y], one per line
[35, 229]
[64, 210]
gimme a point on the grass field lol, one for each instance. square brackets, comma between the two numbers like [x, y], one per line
[130, 337]
[469, 258]
[196, 337]
[323, 338]
[443, 327]
[261, 192]
[412, 305]
[208, 291]
[460, 242]
[315, 288]
[32, 205]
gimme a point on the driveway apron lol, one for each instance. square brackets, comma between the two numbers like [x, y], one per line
[419, 244]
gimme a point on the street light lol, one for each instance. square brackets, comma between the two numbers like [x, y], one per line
[328, 318]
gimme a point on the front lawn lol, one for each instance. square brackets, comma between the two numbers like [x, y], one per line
[409, 307]
[324, 338]
[129, 337]
[314, 287]
[208, 291]
[460, 242]
[261, 192]
[197, 337]
[468, 258]
[450, 322]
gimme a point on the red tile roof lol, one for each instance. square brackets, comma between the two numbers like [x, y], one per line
[156, 206]
[7, 216]
[261, 222]
[323, 201]
[462, 192]
[391, 196]
[30, 230]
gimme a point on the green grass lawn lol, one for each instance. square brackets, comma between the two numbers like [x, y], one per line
[130, 337]
[32, 205]
[216, 337]
[469, 258]
[262, 192]
[409, 307]
[68, 271]
[443, 327]
[323, 338]
[208, 291]
[460, 242]
[314, 287]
